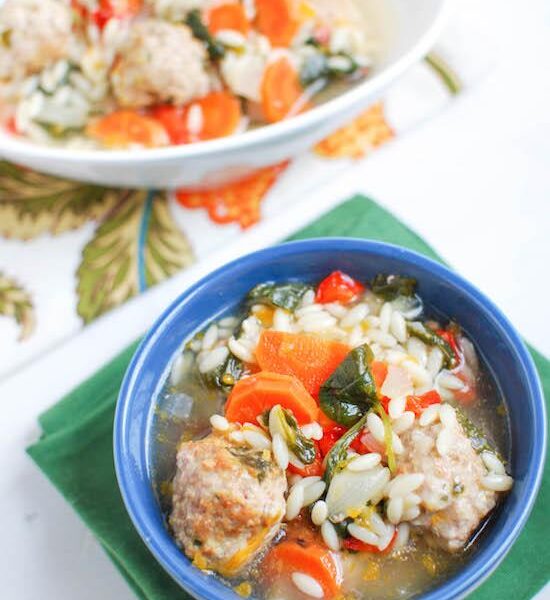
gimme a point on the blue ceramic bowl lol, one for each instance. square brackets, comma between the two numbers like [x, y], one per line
[221, 292]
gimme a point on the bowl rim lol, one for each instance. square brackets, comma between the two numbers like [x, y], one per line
[247, 140]
[465, 580]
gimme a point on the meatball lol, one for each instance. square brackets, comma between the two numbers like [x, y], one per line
[35, 33]
[160, 62]
[228, 502]
[452, 496]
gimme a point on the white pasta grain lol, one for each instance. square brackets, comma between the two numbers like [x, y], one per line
[218, 422]
[355, 338]
[213, 359]
[195, 119]
[410, 513]
[228, 322]
[294, 502]
[404, 484]
[364, 462]
[429, 415]
[398, 327]
[492, 463]
[449, 381]
[376, 427]
[210, 337]
[231, 38]
[329, 535]
[317, 322]
[377, 524]
[402, 538]
[237, 437]
[381, 337]
[307, 585]
[444, 441]
[496, 482]
[397, 444]
[404, 422]
[417, 349]
[319, 512]
[336, 310]
[363, 534]
[419, 374]
[394, 510]
[240, 350]
[313, 492]
[447, 415]
[386, 539]
[396, 407]
[411, 500]
[295, 461]
[355, 315]
[434, 362]
[313, 431]
[256, 440]
[308, 298]
[281, 320]
[310, 309]
[385, 317]
[280, 451]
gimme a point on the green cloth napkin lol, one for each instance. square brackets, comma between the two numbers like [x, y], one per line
[75, 450]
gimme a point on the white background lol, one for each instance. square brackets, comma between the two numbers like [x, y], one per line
[474, 182]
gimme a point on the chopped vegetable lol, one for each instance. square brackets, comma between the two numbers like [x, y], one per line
[194, 21]
[282, 422]
[337, 455]
[365, 442]
[418, 403]
[313, 559]
[253, 459]
[417, 329]
[389, 287]
[124, 128]
[307, 357]
[226, 375]
[220, 113]
[330, 437]
[279, 295]
[379, 372]
[354, 545]
[474, 434]
[253, 395]
[230, 15]
[315, 468]
[338, 287]
[351, 390]
[450, 338]
[388, 438]
[275, 19]
[280, 90]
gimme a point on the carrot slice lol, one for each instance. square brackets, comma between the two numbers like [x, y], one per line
[220, 114]
[276, 20]
[230, 15]
[312, 559]
[280, 89]
[309, 358]
[254, 395]
[379, 372]
[124, 128]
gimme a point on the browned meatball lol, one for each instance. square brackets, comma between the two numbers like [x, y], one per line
[228, 502]
[453, 500]
[160, 62]
[35, 34]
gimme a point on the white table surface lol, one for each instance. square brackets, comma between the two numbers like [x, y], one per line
[474, 182]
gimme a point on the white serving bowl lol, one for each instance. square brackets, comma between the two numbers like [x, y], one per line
[416, 26]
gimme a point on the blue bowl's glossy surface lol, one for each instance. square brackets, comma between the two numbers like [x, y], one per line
[220, 292]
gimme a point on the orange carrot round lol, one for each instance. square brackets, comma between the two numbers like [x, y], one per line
[254, 395]
[276, 20]
[230, 15]
[309, 358]
[124, 128]
[313, 559]
[280, 89]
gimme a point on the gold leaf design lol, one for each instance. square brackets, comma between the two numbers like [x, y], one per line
[15, 302]
[32, 203]
[137, 246]
[368, 131]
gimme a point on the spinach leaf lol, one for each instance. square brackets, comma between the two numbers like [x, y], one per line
[350, 391]
[253, 459]
[194, 21]
[388, 437]
[430, 337]
[389, 287]
[338, 453]
[226, 375]
[474, 434]
[283, 295]
[282, 422]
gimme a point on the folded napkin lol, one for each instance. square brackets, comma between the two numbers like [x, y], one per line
[75, 450]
